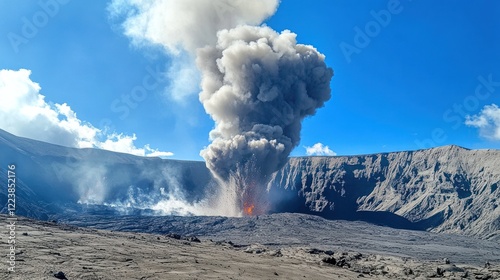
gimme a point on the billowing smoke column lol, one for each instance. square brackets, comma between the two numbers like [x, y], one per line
[258, 86]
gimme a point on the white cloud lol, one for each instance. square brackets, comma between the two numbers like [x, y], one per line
[187, 24]
[24, 112]
[488, 122]
[125, 144]
[319, 149]
[181, 27]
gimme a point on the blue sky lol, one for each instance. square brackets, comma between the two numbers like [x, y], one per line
[410, 84]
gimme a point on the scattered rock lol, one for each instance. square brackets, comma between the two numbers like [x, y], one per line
[174, 236]
[254, 249]
[342, 262]
[357, 256]
[315, 251]
[329, 260]
[408, 271]
[25, 234]
[60, 275]
[193, 239]
[439, 271]
[451, 268]
[226, 243]
[276, 253]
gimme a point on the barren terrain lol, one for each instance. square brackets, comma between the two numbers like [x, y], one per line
[47, 248]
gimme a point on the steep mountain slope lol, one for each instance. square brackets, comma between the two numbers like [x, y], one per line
[58, 177]
[446, 189]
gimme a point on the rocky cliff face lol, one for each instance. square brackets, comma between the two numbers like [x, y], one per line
[445, 189]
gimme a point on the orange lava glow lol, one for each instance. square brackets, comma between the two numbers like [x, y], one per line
[248, 209]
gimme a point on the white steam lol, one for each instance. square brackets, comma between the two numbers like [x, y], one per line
[158, 191]
[91, 184]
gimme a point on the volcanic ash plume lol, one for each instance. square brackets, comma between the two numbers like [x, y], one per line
[257, 85]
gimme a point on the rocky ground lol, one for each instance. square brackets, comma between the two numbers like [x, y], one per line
[284, 230]
[48, 250]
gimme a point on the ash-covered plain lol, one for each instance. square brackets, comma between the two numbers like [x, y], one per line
[301, 230]
[280, 246]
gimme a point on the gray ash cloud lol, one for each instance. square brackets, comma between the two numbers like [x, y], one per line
[258, 85]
